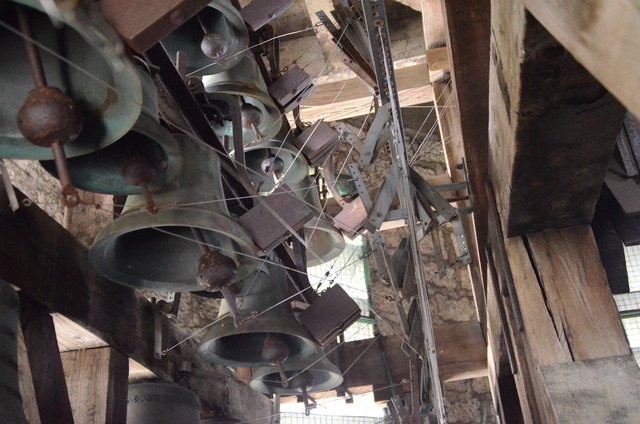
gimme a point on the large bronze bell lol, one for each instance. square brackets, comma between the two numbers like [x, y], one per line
[162, 402]
[102, 171]
[159, 251]
[258, 109]
[268, 160]
[324, 239]
[212, 40]
[261, 340]
[315, 373]
[97, 77]
[10, 400]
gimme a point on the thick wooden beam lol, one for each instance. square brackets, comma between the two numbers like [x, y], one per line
[468, 33]
[338, 100]
[461, 351]
[51, 266]
[552, 126]
[463, 29]
[98, 382]
[604, 36]
[44, 361]
[576, 399]
[566, 312]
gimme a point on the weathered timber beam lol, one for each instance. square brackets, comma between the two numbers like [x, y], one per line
[49, 384]
[558, 310]
[604, 36]
[348, 98]
[552, 126]
[98, 382]
[461, 106]
[51, 266]
[461, 350]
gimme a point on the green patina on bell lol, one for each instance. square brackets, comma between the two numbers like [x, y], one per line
[324, 239]
[102, 171]
[244, 346]
[243, 80]
[316, 372]
[158, 251]
[98, 77]
[212, 40]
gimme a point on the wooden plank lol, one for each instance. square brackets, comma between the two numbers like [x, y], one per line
[550, 137]
[438, 59]
[25, 382]
[98, 382]
[345, 99]
[602, 36]
[545, 346]
[499, 357]
[460, 27]
[468, 34]
[45, 364]
[523, 374]
[597, 391]
[461, 351]
[72, 336]
[42, 251]
[577, 294]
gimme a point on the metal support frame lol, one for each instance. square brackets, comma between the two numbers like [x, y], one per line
[378, 32]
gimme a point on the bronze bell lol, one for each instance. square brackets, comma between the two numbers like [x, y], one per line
[100, 79]
[213, 40]
[315, 373]
[102, 171]
[162, 402]
[259, 111]
[324, 239]
[269, 160]
[10, 400]
[159, 252]
[257, 341]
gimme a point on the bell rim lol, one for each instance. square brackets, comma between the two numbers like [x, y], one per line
[299, 166]
[125, 109]
[140, 219]
[155, 132]
[336, 236]
[335, 378]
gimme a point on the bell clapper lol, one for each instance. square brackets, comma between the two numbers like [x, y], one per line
[309, 402]
[140, 171]
[251, 118]
[48, 118]
[217, 272]
[274, 352]
[213, 45]
[272, 165]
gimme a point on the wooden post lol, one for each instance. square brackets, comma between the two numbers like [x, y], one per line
[463, 29]
[45, 363]
[97, 380]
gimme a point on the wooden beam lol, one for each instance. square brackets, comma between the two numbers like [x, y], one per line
[552, 126]
[461, 351]
[98, 382]
[604, 36]
[345, 99]
[438, 59]
[463, 28]
[576, 292]
[40, 250]
[467, 35]
[44, 361]
[576, 399]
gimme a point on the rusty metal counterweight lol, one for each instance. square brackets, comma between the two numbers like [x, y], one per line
[48, 118]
